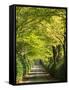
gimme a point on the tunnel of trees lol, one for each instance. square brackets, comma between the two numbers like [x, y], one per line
[40, 34]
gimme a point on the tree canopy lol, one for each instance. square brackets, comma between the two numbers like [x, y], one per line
[38, 30]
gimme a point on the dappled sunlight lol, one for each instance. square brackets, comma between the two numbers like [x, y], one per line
[40, 44]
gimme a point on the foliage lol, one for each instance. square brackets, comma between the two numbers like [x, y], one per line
[38, 30]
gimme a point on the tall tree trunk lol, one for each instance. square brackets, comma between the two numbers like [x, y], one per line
[24, 66]
[54, 54]
[59, 52]
[65, 55]
[64, 47]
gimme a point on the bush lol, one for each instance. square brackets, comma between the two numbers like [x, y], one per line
[19, 70]
[56, 70]
[60, 71]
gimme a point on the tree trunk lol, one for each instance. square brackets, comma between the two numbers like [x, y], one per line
[59, 52]
[54, 54]
[65, 56]
[24, 66]
[64, 47]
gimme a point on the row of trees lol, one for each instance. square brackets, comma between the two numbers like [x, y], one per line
[40, 34]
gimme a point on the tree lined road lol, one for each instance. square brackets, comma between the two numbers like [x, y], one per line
[38, 74]
[40, 34]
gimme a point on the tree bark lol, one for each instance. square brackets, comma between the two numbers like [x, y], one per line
[64, 47]
[54, 54]
[59, 52]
